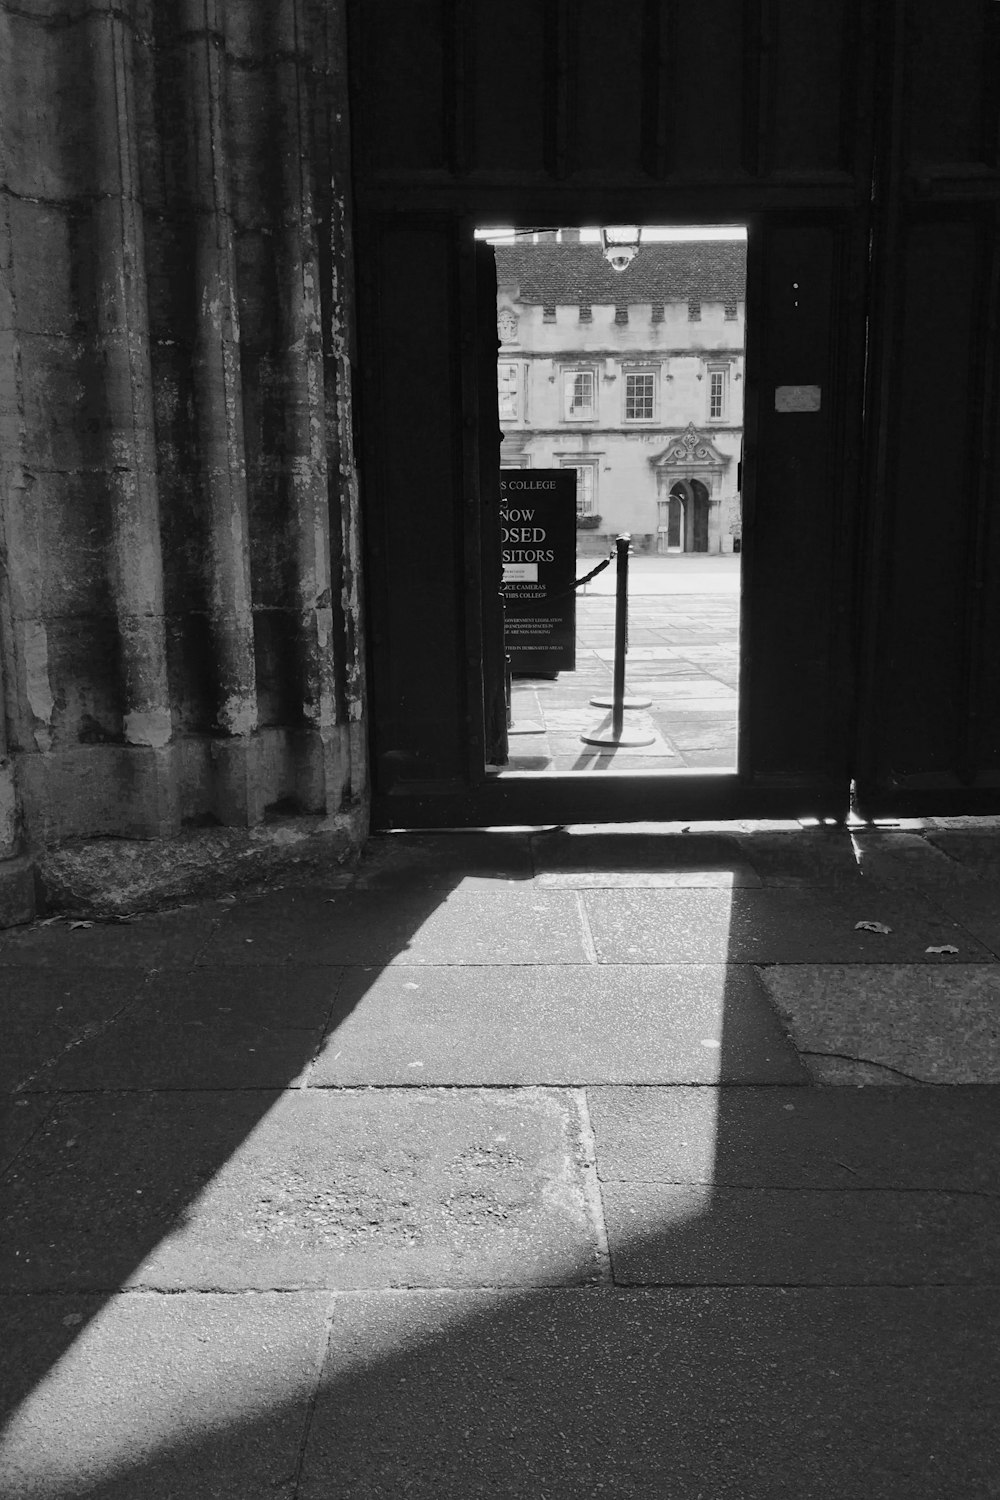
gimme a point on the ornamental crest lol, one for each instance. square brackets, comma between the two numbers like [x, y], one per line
[507, 326]
[691, 447]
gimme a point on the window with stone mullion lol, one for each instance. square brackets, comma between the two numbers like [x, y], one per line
[639, 397]
[579, 393]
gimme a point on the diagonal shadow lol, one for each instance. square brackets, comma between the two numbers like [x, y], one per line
[791, 1306]
[141, 1057]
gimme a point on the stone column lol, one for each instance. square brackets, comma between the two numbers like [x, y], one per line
[307, 473]
[217, 376]
[122, 328]
[16, 879]
[348, 582]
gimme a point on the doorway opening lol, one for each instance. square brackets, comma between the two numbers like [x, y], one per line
[625, 365]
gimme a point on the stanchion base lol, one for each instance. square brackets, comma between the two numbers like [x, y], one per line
[606, 736]
[631, 702]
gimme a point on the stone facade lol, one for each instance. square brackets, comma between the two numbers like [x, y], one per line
[633, 378]
[180, 641]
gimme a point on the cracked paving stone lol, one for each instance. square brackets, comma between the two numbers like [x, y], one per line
[922, 1023]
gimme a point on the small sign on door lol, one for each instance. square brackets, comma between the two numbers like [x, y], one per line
[796, 397]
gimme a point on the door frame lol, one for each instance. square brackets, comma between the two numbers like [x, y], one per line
[532, 798]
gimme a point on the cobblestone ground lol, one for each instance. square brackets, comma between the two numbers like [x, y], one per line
[683, 657]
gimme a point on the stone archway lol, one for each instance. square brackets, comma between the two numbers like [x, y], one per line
[689, 475]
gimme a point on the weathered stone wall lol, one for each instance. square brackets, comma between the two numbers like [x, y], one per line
[180, 631]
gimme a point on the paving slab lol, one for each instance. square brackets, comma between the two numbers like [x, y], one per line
[510, 924]
[977, 907]
[749, 1137]
[569, 1024]
[834, 1394]
[44, 1014]
[237, 1190]
[206, 1029]
[638, 859]
[174, 937]
[299, 996]
[202, 1396]
[20, 1118]
[975, 848]
[770, 926]
[404, 861]
[797, 857]
[915, 1022]
[903, 858]
[710, 760]
[699, 731]
[699, 1235]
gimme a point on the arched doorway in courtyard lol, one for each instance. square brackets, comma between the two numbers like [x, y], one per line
[692, 495]
[682, 524]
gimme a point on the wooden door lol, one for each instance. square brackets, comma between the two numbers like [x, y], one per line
[565, 114]
[928, 704]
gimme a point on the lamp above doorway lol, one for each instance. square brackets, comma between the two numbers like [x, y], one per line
[620, 244]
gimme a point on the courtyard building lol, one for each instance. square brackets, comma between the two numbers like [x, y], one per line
[634, 379]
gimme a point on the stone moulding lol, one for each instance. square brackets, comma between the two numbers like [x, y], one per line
[120, 877]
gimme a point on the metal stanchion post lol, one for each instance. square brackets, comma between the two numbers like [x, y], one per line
[618, 734]
[621, 635]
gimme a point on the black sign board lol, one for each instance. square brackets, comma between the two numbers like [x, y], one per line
[538, 531]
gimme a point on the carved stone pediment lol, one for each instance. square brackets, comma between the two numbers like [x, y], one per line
[691, 448]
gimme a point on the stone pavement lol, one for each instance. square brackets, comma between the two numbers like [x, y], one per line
[683, 656]
[540, 1165]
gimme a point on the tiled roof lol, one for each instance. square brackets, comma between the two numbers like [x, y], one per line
[672, 271]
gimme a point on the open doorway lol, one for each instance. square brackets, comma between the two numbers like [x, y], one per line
[627, 369]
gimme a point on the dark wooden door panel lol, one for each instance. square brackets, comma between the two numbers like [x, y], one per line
[413, 484]
[805, 360]
[929, 738]
[484, 596]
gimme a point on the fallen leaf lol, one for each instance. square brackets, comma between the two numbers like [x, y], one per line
[871, 927]
[943, 948]
[73, 925]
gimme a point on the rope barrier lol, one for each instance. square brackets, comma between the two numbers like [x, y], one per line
[581, 581]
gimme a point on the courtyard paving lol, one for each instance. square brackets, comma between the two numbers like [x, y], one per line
[530, 1166]
[683, 656]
